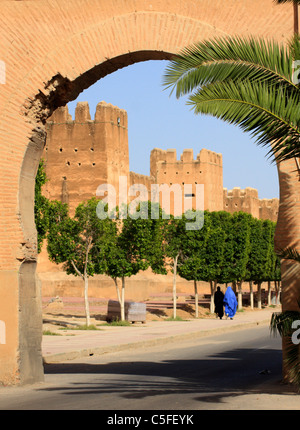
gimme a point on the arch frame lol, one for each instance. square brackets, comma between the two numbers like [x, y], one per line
[53, 50]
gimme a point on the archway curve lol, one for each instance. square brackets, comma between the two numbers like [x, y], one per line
[52, 51]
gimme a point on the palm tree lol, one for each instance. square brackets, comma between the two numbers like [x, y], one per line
[284, 323]
[246, 82]
[296, 31]
[249, 83]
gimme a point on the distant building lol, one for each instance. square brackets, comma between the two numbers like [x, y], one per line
[82, 154]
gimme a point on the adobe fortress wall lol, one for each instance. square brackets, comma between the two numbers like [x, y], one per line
[247, 200]
[83, 153]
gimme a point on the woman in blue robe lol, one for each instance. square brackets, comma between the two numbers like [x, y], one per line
[230, 303]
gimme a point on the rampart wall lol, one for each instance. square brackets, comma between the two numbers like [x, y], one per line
[188, 173]
[247, 200]
[51, 52]
[83, 153]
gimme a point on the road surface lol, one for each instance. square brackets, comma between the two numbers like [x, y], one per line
[232, 371]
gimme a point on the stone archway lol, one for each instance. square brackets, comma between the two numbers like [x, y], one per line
[51, 50]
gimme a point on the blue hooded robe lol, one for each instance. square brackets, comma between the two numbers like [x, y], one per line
[230, 303]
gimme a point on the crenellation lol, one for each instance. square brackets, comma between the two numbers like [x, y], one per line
[187, 156]
[81, 154]
[207, 156]
[82, 112]
[171, 156]
[247, 200]
[60, 115]
[106, 112]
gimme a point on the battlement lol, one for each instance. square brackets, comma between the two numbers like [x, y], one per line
[207, 156]
[105, 112]
[82, 153]
[239, 193]
[169, 156]
[247, 200]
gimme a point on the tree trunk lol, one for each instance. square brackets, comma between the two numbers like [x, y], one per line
[119, 296]
[85, 278]
[259, 295]
[196, 299]
[86, 300]
[277, 289]
[122, 305]
[213, 285]
[295, 6]
[240, 295]
[251, 295]
[269, 293]
[287, 234]
[117, 289]
[234, 286]
[174, 285]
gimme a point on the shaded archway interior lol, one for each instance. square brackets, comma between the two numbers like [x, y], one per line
[69, 90]
[53, 51]
[41, 108]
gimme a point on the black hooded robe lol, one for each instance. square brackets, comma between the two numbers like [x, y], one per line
[218, 301]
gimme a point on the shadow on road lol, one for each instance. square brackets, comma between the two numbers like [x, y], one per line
[232, 373]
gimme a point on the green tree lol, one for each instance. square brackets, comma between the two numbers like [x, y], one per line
[273, 274]
[259, 265]
[216, 251]
[223, 221]
[41, 206]
[215, 255]
[193, 266]
[175, 238]
[136, 245]
[80, 242]
[241, 227]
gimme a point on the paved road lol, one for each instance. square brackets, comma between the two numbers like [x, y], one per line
[217, 372]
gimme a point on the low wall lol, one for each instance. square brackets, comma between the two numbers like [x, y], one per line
[140, 287]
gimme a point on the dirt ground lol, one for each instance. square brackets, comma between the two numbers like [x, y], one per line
[57, 316]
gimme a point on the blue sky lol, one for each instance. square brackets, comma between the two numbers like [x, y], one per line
[156, 119]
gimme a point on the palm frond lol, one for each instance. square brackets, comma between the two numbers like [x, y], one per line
[269, 113]
[282, 323]
[289, 253]
[228, 58]
[246, 82]
[287, 1]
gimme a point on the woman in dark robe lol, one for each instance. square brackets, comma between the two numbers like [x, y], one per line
[218, 301]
